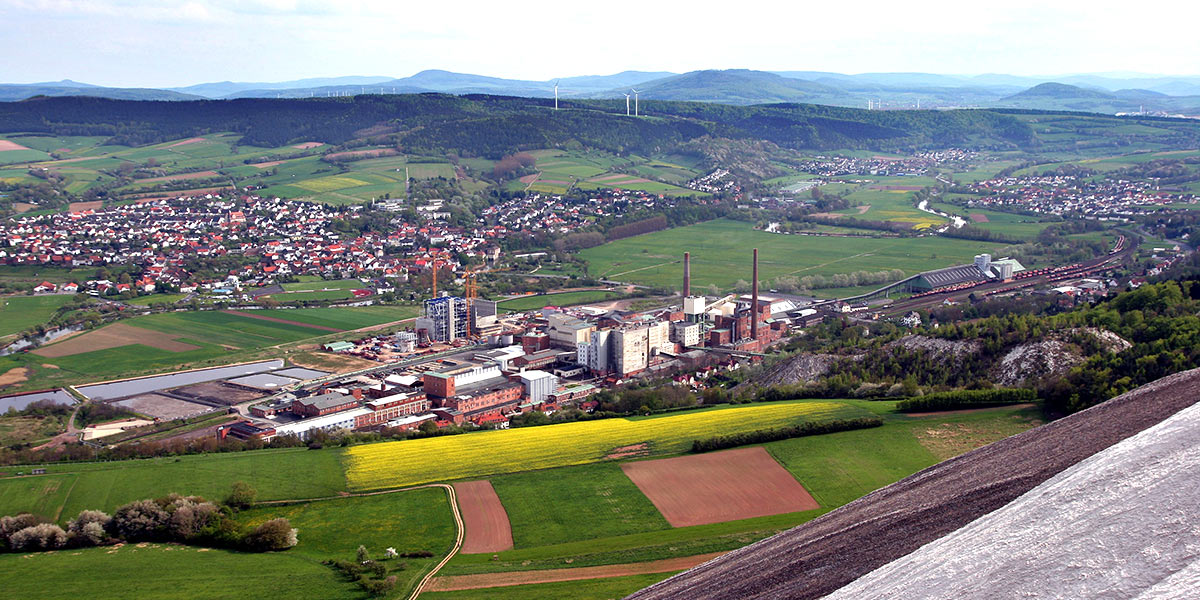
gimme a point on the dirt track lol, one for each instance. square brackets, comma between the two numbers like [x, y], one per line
[720, 486]
[484, 518]
[490, 580]
[816, 558]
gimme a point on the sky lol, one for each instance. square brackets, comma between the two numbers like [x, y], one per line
[164, 43]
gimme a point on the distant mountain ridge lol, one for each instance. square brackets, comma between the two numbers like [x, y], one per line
[1103, 93]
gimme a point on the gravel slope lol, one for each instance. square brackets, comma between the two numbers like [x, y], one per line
[1115, 525]
[821, 556]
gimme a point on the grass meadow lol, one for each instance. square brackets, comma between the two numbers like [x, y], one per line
[222, 338]
[18, 313]
[69, 488]
[587, 589]
[561, 299]
[408, 521]
[890, 205]
[614, 505]
[721, 255]
[169, 572]
[349, 317]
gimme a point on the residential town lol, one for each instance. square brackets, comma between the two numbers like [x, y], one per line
[1074, 195]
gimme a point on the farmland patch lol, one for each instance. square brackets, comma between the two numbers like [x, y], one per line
[719, 487]
[484, 520]
[6, 145]
[398, 464]
[114, 336]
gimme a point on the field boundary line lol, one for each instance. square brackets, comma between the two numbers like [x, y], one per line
[458, 523]
[454, 583]
[63, 506]
[672, 262]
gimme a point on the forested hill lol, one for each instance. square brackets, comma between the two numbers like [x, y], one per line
[496, 125]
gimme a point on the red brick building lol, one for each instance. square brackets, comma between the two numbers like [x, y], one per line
[323, 404]
[391, 407]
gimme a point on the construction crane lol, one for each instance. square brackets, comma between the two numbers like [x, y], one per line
[439, 258]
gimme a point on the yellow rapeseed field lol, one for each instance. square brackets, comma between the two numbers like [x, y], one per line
[413, 462]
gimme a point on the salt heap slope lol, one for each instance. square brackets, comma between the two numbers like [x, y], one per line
[826, 554]
[1116, 525]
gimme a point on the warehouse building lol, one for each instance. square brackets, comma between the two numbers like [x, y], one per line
[539, 385]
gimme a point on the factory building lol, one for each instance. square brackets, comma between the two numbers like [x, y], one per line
[595, 354]
[539, 385]
[685, 333]
[629, 347]
[983, 268]
[566, 331]
[448, 318]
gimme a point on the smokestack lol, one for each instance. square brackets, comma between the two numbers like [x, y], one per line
[754, 300]
[687, 274]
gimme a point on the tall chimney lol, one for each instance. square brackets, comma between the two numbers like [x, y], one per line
[754, 300]
[687, 274]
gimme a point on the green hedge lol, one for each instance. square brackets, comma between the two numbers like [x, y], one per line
[966, 399]
[762, 436]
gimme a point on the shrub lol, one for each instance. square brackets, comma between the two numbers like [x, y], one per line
[276, 534]
[966, 398]
[89, 528]
[10, 525]
[90, 534]
[189, 518]
[379, 587]
[350, 569]
[140, 520]
[43, 536]
[241, 495]
[416, 554]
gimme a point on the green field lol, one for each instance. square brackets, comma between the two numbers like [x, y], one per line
[68, 488]
[9, 157]
[220, 338]
[169, 572]
[891, 205]
[347, 317]
[573, 516]
[561, 299]
[721, 255]
[156, 299]
[34, 275]
[559, 170]
[18, 313]
[614, 505]
[318, 290]
[407, 521]
[1009, 224]
[835, 468]
[588, 589]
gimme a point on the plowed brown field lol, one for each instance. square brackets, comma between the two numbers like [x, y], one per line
[719, 487]
[484, 518]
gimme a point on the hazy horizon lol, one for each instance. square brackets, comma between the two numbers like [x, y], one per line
[176, 43]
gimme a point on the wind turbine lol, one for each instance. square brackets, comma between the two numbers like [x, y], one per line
[635, 102]
[555, 94]
[627, 104]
